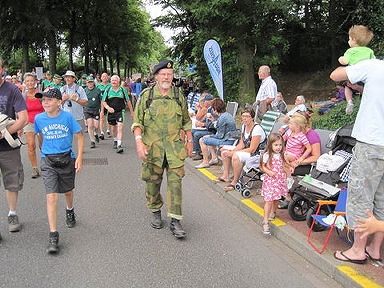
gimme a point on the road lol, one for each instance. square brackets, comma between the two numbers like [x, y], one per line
[113, 244]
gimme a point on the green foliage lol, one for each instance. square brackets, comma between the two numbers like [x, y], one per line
[336, 118]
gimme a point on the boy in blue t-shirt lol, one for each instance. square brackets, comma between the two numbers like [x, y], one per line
[58, 162]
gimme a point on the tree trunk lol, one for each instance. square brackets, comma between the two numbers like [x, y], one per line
[125, 69]
[25, 56]
[70, 50]
[104, 57]
[247, 85]
[52, 48]
[110, 62]
[86, 50]
[118, 61]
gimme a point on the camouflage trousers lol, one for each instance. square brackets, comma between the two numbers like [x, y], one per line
[366, 183]
[153, 176]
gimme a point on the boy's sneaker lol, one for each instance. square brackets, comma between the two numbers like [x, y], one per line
[97, 138]
[119, 149]
[114, 145]
[53, 243]
[108, 134]
[13, 223]
[35, 172]
[70, 218]
[101, 136]
[93, 145]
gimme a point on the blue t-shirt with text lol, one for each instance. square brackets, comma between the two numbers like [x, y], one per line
[57, 132]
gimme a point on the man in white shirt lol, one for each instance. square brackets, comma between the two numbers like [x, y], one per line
[74, 97]
[366, 179]
[299, 107]
[267, 92]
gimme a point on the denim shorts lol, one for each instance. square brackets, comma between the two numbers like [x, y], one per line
[210, 141]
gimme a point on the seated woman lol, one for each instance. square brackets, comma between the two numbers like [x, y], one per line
[252, 139]
[225, 125]
[339, 97]
[299, 106]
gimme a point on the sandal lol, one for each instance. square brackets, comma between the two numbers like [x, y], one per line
[218, 180]
[370, 257]
[347, 259]
[272, 217]
[229, 187]
[266, 230]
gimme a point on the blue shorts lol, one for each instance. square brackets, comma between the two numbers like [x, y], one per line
[210, 141]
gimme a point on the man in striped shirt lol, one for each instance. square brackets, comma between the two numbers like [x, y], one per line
[267, 92]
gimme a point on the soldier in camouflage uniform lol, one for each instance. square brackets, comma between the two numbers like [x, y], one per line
[160, 116]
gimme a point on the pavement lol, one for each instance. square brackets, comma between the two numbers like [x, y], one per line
[113, 244]
[294, 235]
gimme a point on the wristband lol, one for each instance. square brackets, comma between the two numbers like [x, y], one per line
[137, 137]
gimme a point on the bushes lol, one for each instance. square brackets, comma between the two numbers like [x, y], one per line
[336, 118]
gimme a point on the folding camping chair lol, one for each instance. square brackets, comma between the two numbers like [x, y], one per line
[232, 108]
[339, 211]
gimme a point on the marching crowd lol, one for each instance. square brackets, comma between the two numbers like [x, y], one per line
[169, 126]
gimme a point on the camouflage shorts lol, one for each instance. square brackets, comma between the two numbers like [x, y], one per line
[366, 183]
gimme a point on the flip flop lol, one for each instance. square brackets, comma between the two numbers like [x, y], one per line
[347, 259]
[218, 180]
[373, 259]
[229, 187]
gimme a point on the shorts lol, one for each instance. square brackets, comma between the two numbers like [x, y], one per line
[58, 180]
[114, 118]
[12, 170]
[30, 128]
[210, 141]
[243, 156]
[366, 183]
[94, 114]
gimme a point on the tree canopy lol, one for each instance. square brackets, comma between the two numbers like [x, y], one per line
[115, 34]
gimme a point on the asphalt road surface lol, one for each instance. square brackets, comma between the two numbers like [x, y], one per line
[113, 244]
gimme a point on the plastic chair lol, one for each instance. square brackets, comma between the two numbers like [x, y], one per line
[339, 211]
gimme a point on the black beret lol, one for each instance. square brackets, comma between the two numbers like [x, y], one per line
[163, 64]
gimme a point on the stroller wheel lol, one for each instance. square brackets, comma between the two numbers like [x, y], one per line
[246, 193]
[298, 208]
[239, 186]
[317, 227]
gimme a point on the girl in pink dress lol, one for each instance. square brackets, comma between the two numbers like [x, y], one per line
[274, 186]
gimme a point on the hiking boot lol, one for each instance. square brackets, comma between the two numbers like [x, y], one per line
[70, 218]
[177, 229]
[13, 223]
[53, 243]
[1, 238]
[114, 145]
[101, 136]
[157, 223]
[108, 134]
[93, 145]
[97, 138]
[35, 172]
[119, 149]
[197, 157]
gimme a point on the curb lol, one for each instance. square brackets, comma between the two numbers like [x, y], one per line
[292, 238]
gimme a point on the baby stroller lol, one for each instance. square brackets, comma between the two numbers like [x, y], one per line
[324, 185]
[251, 172]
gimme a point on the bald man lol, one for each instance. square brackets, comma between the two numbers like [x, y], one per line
[267, 92]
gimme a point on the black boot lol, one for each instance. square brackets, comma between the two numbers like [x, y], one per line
[157, 223]
[177, 229]
[53, 243]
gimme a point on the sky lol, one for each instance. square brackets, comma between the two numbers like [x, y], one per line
[156, 11]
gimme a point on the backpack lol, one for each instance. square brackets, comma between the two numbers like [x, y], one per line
[150, 98]
[122, 90]
[6, 121]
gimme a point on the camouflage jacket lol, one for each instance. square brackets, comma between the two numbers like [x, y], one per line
[161, 124]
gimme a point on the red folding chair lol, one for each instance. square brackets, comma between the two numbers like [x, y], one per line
[339, 211]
